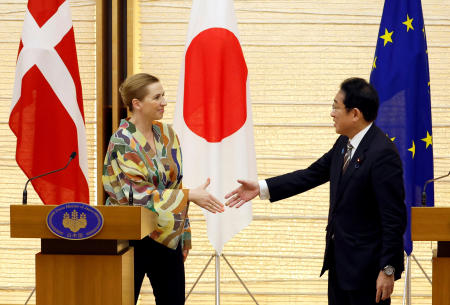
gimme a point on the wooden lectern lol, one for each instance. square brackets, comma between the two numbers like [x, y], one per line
[433, 224]
[94, 271]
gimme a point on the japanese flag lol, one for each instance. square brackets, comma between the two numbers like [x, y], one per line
[213, 116]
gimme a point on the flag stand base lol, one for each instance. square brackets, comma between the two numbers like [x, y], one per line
[407, 288]
[217, 290]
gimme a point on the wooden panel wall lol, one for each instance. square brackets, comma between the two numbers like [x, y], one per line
[297, 52]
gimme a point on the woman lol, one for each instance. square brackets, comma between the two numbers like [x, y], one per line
[143, 162]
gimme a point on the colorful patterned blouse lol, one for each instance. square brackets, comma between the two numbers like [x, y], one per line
[155, 179]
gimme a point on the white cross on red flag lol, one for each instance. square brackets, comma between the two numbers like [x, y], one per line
[213, 115]
[47, 107]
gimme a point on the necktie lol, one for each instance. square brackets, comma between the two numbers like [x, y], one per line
[347, 156]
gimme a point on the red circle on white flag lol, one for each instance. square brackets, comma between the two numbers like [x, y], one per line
[215, 85]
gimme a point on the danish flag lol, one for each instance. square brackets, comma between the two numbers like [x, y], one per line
[47, 107]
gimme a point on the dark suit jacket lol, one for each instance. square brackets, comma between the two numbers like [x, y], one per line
[367, 216]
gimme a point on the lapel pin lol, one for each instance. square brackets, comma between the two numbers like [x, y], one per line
[358, 162]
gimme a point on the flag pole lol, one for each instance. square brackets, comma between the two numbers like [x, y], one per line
[217, 278]
[407, 289]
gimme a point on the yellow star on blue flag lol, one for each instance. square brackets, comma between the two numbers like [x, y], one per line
[428, 140]
[413, 149]
[387, 37]
[402, 81]
[408, 23]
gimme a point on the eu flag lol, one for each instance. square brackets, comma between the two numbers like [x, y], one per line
[401, 76]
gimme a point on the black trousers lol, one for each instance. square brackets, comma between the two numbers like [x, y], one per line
[165, 269]
[338, 296]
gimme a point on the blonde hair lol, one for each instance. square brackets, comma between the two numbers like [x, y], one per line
[135, 86]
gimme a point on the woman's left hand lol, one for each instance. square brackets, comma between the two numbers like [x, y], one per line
[201, 197]
[185, 254]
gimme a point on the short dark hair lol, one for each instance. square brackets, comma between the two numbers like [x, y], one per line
[362, 95]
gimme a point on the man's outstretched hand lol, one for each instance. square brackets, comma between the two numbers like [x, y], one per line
[245, 192]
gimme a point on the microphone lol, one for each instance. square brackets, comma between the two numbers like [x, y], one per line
[24, 196]
[424, 195]
[130, 193]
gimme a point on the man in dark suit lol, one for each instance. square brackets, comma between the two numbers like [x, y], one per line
[367, 216]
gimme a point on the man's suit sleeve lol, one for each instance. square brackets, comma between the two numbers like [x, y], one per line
[299, 181]
[387, 179]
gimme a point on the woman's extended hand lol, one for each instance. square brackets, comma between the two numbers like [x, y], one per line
[204, 199]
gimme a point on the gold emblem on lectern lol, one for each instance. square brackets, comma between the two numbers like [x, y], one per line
[74, 223]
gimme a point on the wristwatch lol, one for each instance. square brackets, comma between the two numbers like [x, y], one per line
[389, 270]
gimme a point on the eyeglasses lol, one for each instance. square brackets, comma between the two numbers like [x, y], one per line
[334, 108]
